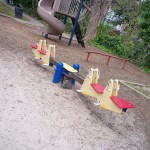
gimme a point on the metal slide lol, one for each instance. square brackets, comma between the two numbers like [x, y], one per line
[46, 10]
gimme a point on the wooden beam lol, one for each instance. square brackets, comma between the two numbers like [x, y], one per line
[53, 61]
[77, 77]
[134, 89]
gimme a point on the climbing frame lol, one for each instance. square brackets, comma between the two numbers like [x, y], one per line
[75, 10]
[69, 7]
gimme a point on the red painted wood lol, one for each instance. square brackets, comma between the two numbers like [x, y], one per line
[98, 88]
[42, 52]
[106, 55]
[109, 57]
[108, 60]
[121, 102]
[88, 55]
[125, 62]
[34, 46]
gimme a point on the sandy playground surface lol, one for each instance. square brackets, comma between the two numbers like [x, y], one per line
[36, 114]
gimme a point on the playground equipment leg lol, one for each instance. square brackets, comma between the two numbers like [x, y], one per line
[75, 24]
[65, 20]
[58, 72]
[88, 55]
[108, 60]
[125, 62]
[77, 67]
[46, 36]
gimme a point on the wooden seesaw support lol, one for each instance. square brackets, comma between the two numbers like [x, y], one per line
[106, 97]
[41, 51]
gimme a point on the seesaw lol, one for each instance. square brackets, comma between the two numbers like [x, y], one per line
[106, 97]
[47, 55]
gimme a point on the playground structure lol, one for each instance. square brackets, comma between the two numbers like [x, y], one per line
[106, 97]
[74, 9]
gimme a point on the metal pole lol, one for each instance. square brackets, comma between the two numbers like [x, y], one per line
[76, 21]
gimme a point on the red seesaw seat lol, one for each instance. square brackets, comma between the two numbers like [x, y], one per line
[98, 88]
[42, 52]
[121, 103]
[34, 46]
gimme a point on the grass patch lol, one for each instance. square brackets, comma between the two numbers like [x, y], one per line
[146, 69]
[4, 9]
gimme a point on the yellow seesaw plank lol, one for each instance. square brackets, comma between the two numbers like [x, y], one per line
[69, 68]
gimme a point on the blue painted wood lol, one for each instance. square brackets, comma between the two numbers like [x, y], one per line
[77, 67]
[58, 72]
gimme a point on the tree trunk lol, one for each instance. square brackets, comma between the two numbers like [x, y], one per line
[99, 11]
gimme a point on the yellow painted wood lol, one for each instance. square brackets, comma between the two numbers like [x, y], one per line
[106, 102]
[53, 50]
[69, 68]
[95, 76]
[115, 88]
[40, 44]
[86, 87]
[50, 51]
[104, 99]
[43, 45]
[46, 58]
[36, 53]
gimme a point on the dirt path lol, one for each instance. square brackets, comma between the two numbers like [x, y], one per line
[37, 114]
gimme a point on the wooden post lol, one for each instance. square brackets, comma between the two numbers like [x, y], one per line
[108, 60]
[125, 62]
[88, 55]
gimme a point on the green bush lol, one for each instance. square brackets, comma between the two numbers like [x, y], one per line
[122, 45]
[147, 58]
[112, 43]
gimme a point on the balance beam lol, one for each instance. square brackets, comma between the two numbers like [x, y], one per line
[109, 57]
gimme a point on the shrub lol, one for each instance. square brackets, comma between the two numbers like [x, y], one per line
[122, 45]
[112, 43]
